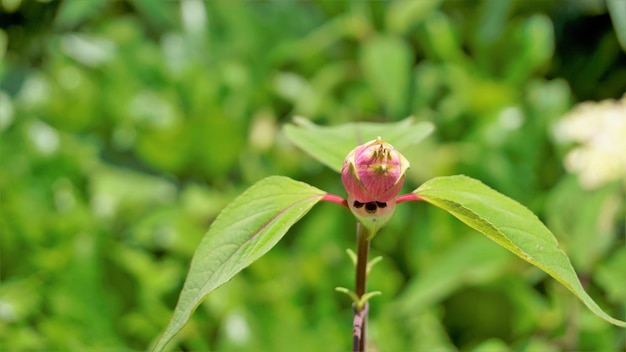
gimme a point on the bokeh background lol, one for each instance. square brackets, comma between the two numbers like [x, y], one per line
[125, 126]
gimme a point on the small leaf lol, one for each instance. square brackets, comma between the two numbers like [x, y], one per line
[330, 145]
[510, 225]
[373, 262]
[244, 231]
[349, 293]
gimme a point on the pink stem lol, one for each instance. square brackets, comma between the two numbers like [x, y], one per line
[407, 198]
[336, 199]
[358, 329]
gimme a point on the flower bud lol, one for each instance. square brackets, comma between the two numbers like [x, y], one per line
[373, 174]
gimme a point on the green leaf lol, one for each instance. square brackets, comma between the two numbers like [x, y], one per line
[73, 12]
[442, 41]
[617, 10]
[244, 231]
[159, 13]
[534, 47]
[386, 62]
[510, 225]
[405, 15]
[470, 260]
[330, 145]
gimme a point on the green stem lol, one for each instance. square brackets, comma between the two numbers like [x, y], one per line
[360, 312]
[362, 254]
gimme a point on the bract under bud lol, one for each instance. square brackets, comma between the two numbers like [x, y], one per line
[373, 174]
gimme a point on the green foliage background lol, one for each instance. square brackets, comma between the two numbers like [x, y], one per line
[125, 126]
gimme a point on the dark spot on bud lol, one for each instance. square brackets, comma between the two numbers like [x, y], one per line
[371, 207]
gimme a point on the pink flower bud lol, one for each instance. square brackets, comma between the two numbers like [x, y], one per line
[373, 174]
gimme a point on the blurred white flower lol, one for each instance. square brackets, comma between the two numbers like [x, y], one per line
[193, 15]
[151, 109]
[43, 137]
[237, 328]
[89, 50]
[599, 131]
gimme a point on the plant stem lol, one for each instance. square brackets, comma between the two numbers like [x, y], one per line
[362, 253]
[624, 206]
[360, 313]
[358, 329]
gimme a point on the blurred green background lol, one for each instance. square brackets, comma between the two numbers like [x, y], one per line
[125, 126]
